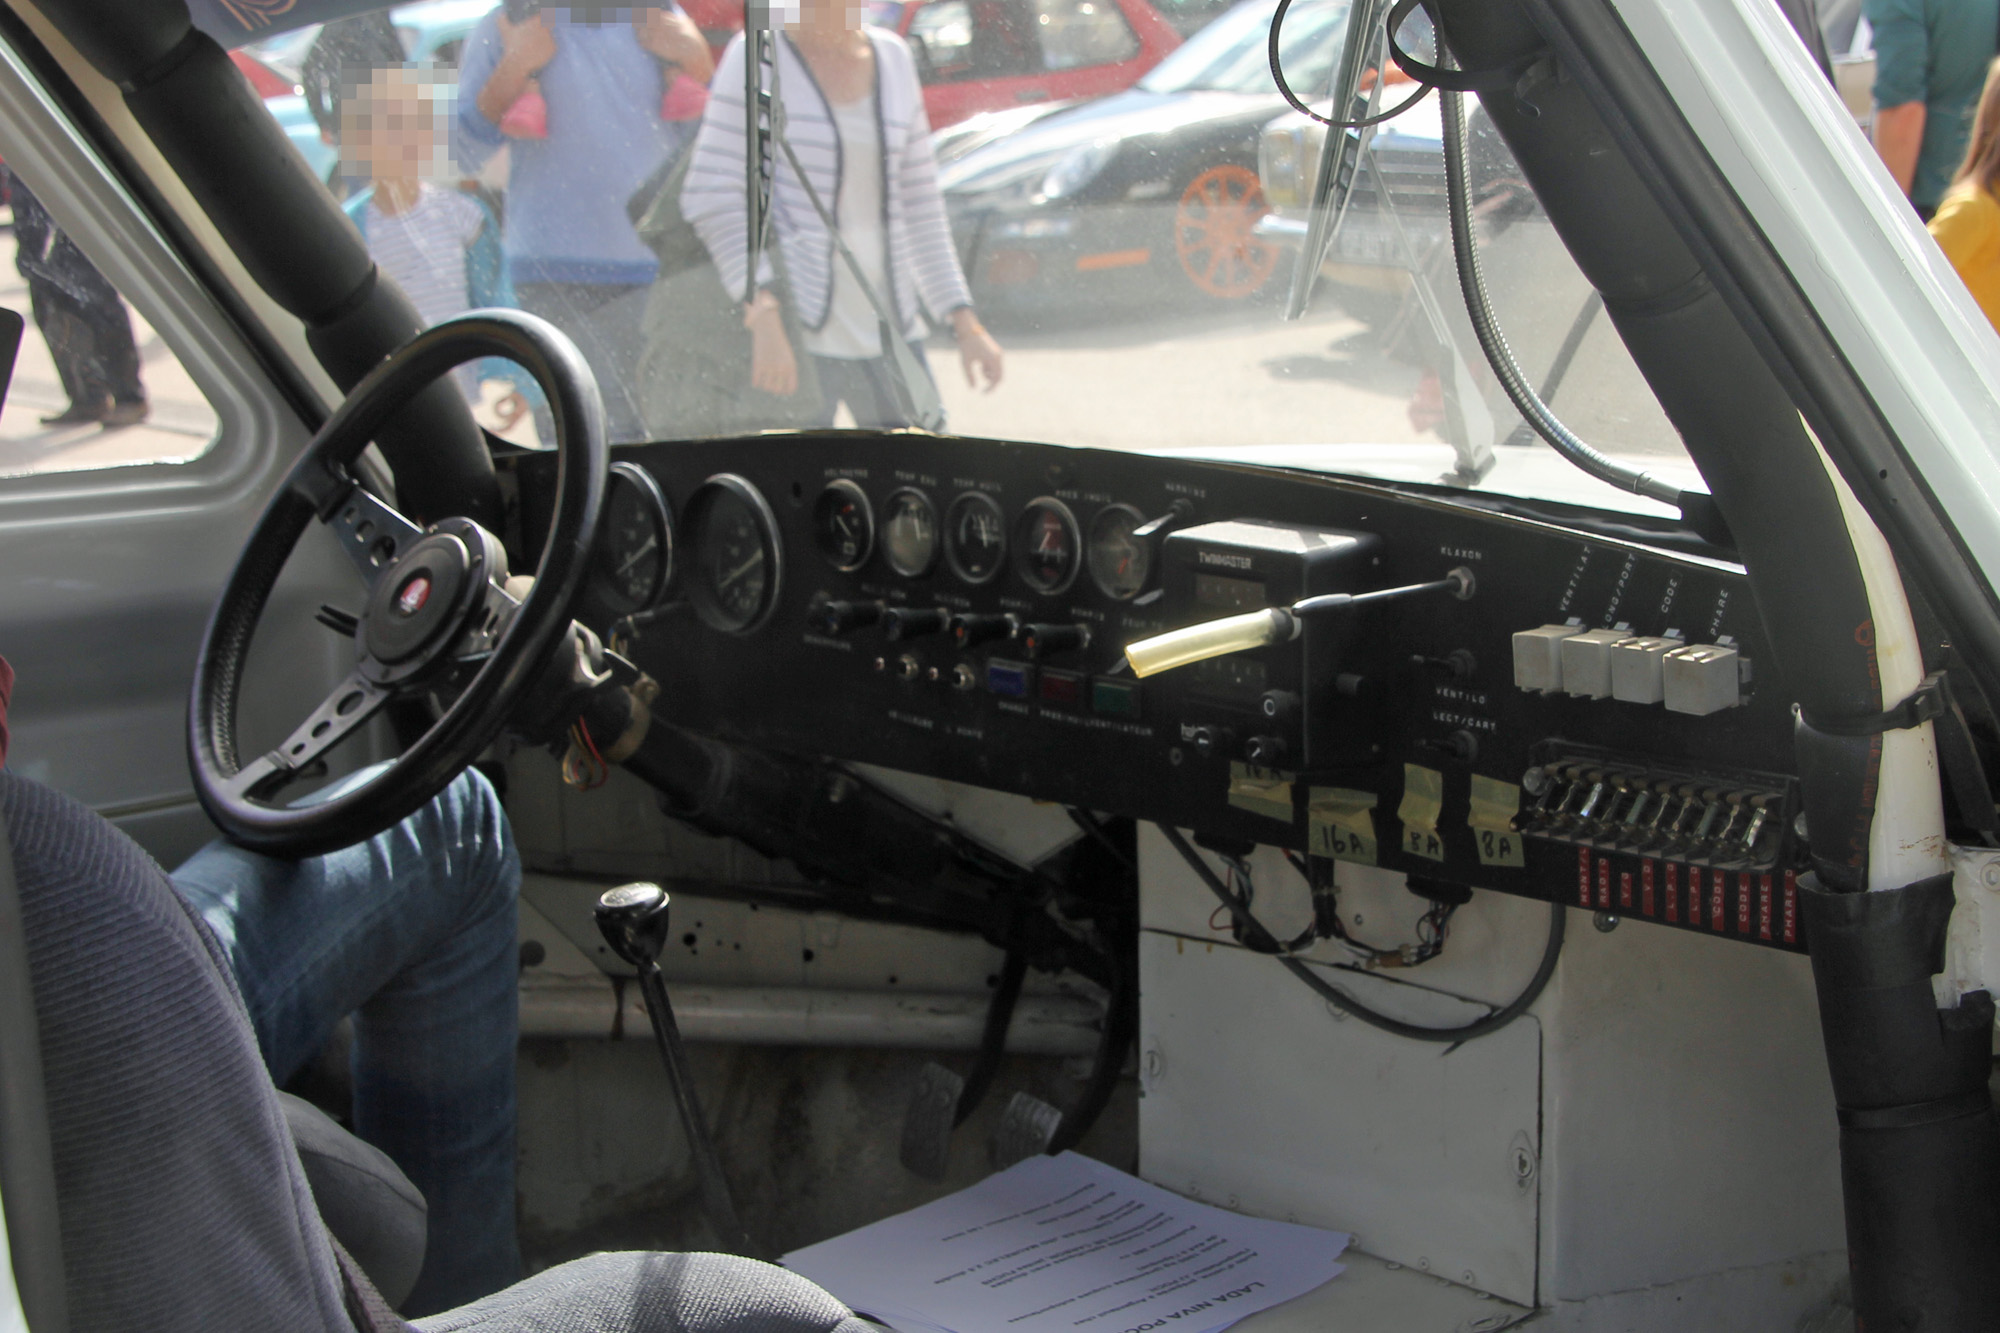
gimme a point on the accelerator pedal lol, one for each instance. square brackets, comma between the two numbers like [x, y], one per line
[1026, 1127]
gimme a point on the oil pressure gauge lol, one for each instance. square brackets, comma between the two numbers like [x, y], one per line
[1047, 546]
[1121, 564]
[975, 537]
[844, 525]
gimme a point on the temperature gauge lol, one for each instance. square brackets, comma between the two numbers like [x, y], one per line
[1121, 565]
[975, 537]
[844, 525]
[910, 533]
[1047, 547]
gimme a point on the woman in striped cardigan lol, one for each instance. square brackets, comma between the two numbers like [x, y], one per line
[854, 115]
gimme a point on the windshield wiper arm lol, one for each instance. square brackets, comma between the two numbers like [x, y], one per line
[1341, 151]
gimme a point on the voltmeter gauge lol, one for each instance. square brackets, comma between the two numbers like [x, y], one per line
[736, 554]
[634, 559]
[1121, 565]
[1047, 546]
[910, 533]
[844, 525]
[975, 537]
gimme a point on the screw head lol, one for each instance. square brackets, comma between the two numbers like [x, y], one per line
[1989, 875]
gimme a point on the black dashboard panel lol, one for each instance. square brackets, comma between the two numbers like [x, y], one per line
[849, 594]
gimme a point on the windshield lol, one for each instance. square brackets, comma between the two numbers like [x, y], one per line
[1093, 244]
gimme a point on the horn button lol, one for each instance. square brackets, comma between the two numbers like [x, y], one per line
[417, 600]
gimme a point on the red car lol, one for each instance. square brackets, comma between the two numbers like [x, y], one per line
[984, 55]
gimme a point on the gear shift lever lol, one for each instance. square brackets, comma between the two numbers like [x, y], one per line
[633, 920]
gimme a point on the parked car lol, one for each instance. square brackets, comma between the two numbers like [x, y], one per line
[1109, 197]
[983, 55]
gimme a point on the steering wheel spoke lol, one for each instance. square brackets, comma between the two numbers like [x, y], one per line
[351, 704]
[426, 626]
[371, 532]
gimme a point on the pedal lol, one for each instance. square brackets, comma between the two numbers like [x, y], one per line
[1025, 1130]
[928, 1122]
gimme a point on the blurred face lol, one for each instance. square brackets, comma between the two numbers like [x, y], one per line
[849, 14]
[389, 125]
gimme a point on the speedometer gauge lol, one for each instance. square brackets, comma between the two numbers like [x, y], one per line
[634, 559]
[1047, 547]
[975, 537]
[844, 525]
[910, 533]
[733, 536]
[1120, 564]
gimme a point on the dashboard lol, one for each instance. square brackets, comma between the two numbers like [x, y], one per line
[1543, 711]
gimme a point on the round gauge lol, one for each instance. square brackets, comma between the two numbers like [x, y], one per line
[910, 533]
[1120, 564]
[844, 525]
[1047, 547]
[975, 537]
[634, 559]
[733, 536]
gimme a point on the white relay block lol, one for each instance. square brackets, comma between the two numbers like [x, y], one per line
[1636, 673]
[1587, 662]
[1538, 657]
[1702, 678]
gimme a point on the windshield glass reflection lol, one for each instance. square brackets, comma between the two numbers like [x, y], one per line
[1053, 220]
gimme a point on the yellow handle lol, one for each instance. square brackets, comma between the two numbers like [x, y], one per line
[1196, 643]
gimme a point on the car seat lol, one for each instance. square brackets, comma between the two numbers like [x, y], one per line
[181, 1198]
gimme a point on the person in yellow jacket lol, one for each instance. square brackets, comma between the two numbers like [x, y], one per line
[1967, 221]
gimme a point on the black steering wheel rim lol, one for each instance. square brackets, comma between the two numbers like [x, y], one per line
[319, 486]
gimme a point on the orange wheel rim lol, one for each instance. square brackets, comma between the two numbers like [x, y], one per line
[1213, 233]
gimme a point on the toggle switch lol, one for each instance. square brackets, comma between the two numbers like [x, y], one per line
[913, 622]
[1039, 641]
[836, 618]
[968, 629]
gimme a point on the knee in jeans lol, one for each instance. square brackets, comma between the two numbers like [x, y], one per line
[490, 870]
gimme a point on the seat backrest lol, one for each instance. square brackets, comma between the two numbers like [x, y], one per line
[182, 1201]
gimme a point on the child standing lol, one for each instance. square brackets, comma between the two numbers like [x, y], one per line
[441, 245]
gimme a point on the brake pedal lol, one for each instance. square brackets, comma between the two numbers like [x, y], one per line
[1026, 1127]
[927, 1124]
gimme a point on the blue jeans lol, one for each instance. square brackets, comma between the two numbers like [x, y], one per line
[866, 385]
[414, 933]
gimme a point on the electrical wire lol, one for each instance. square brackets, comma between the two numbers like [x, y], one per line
[1285, 87]
[1347, 1004]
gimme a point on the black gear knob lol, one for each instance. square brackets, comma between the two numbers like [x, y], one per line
[633, 919]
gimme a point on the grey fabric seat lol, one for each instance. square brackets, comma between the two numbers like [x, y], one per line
[182, 1199]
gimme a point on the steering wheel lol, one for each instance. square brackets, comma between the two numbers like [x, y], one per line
[437, 606]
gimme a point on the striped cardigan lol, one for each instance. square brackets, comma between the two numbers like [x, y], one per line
[922, 265]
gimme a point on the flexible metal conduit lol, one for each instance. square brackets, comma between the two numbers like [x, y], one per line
[1472, 281]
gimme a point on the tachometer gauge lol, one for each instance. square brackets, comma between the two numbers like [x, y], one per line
[910, 533]
[1047, 548]
[844, 525]
[634, 559]
[733, 536]
[975, 537]
[1120, 564]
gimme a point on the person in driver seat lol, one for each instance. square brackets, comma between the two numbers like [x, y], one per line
[413, 933]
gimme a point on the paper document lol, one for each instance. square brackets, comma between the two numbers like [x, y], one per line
[1068, 1245]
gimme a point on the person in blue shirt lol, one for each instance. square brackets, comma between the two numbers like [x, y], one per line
[602, 76]
[1930, 63]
